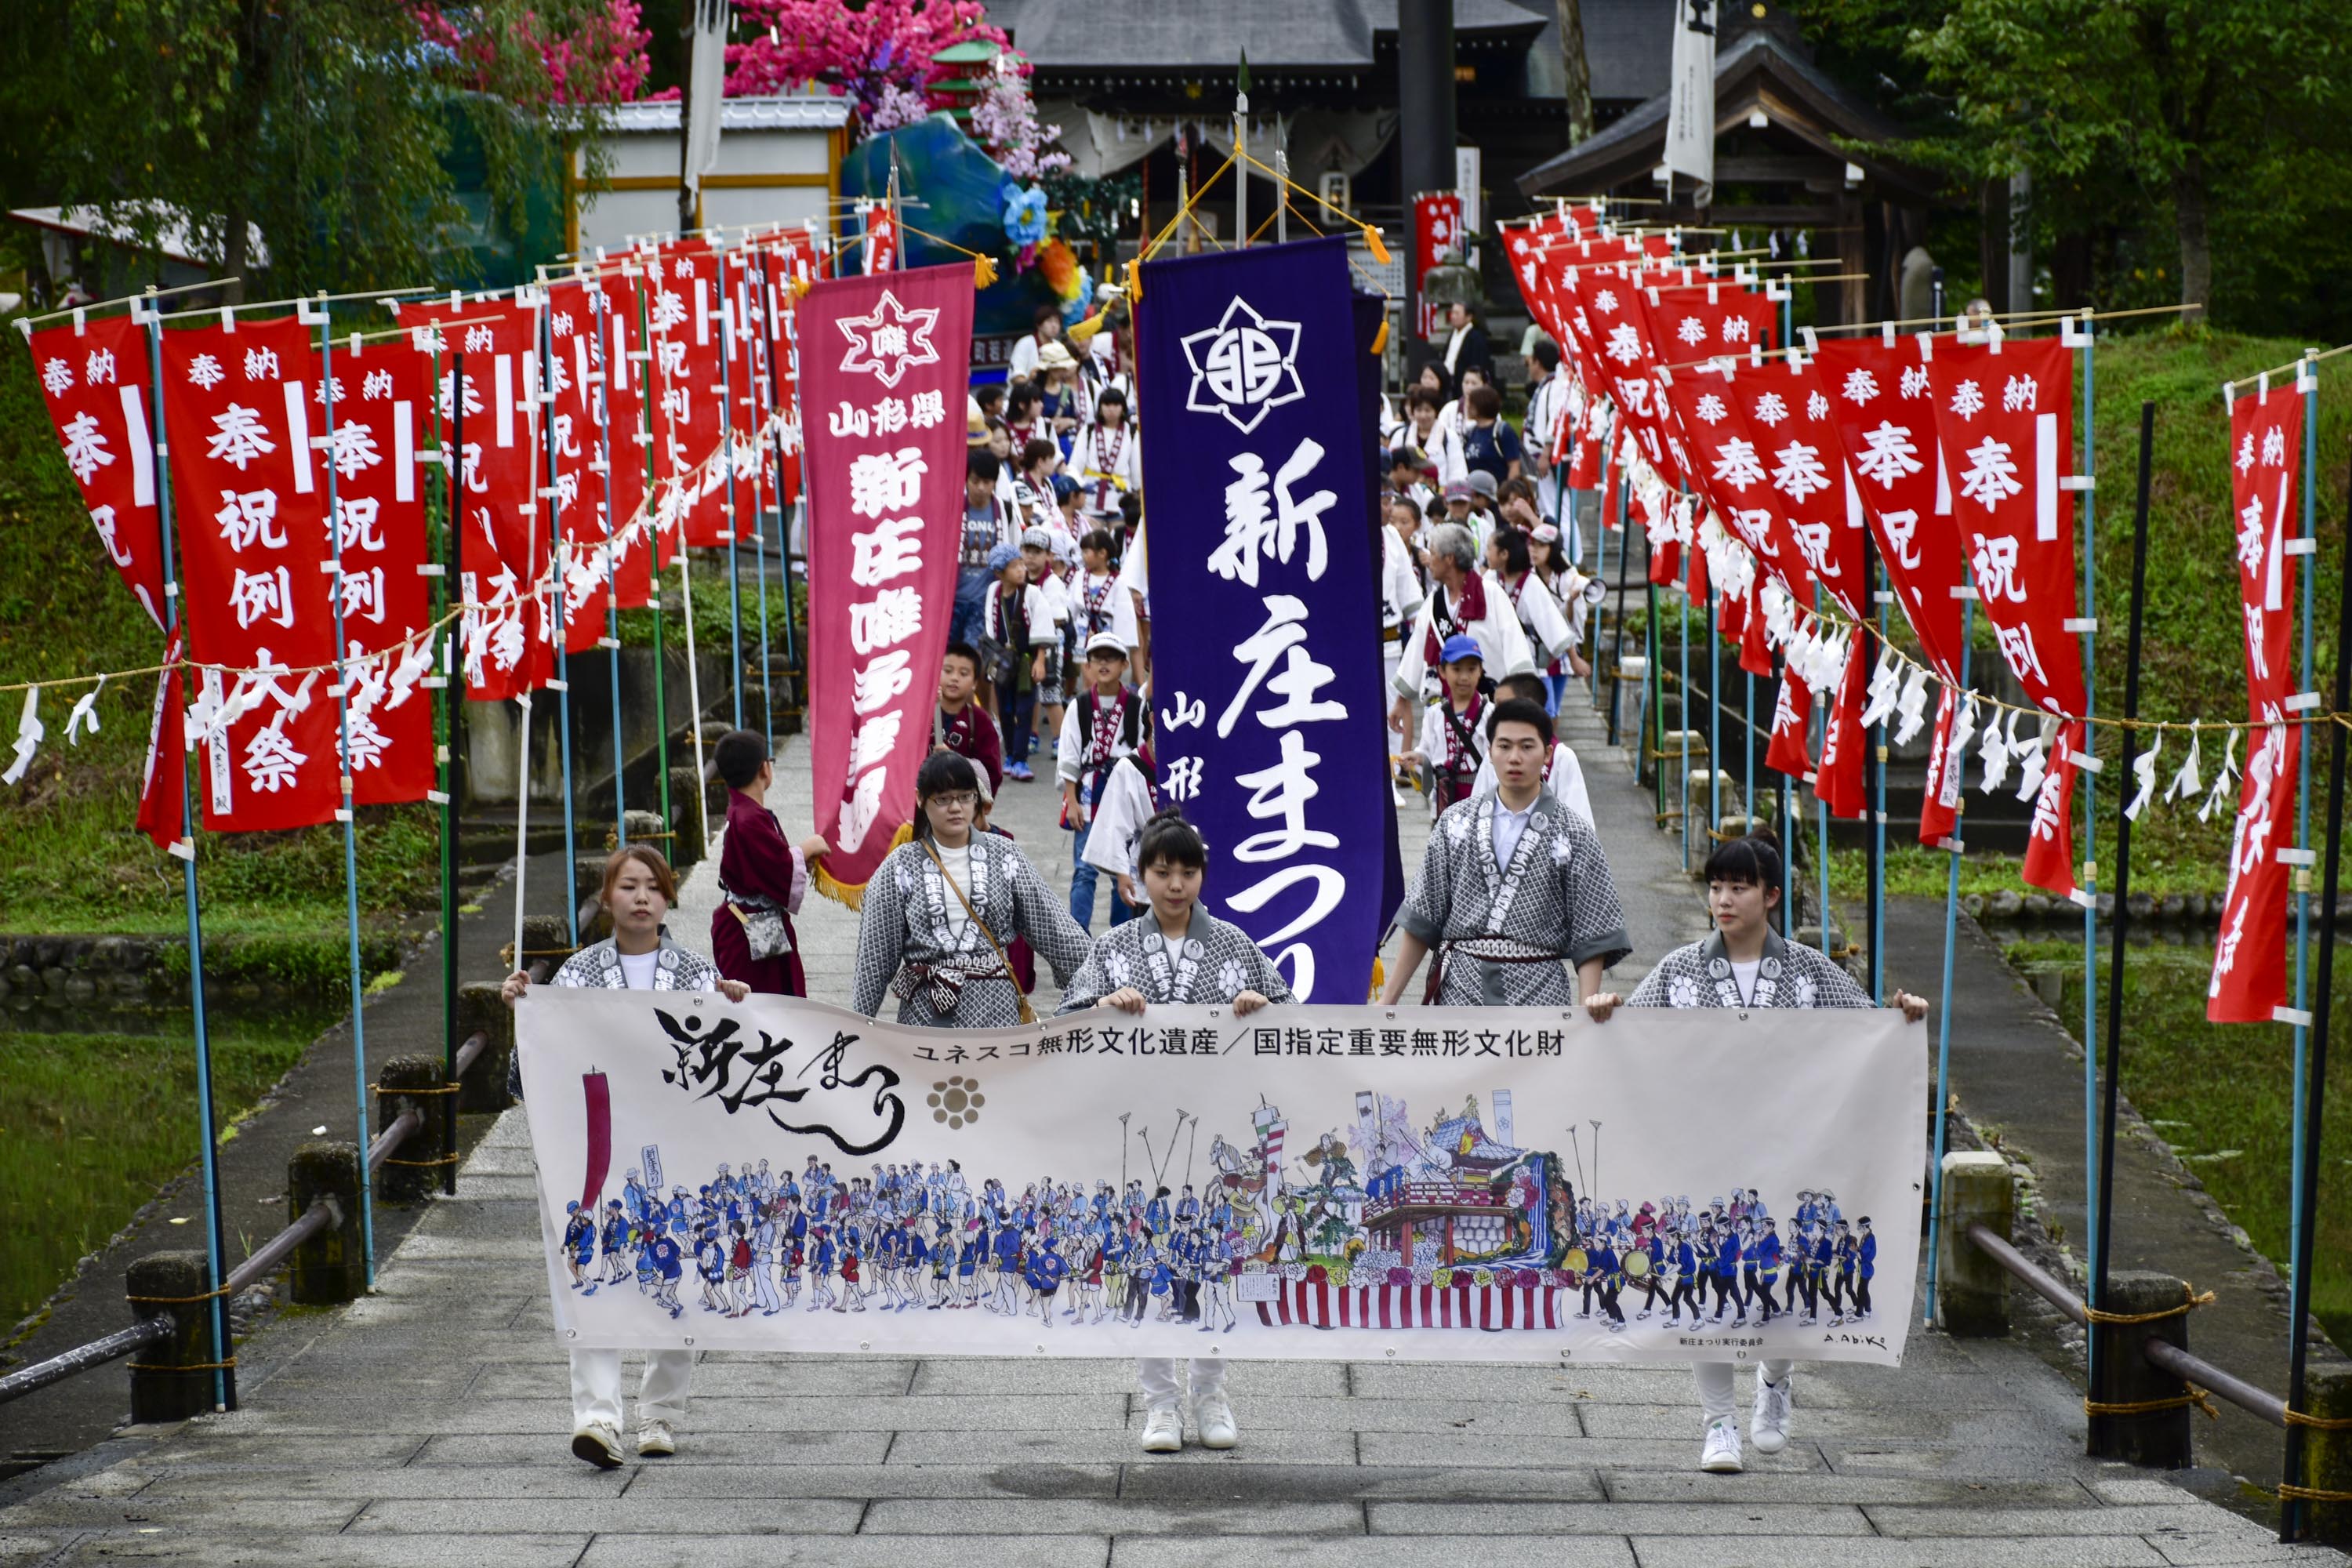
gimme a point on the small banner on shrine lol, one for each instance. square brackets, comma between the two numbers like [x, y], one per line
[1437, 230]
[1304, 1183]
[883, 374]
[1267, 718]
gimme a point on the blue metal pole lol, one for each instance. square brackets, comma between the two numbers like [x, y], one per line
[1943, 999]
[351, 827]
[2089, 890]
[224, 1377]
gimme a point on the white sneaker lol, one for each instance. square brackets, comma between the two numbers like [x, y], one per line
[1768, 1427]
[1163, 1432]
[1212, 1421]
[598, 1444]
[656, 1441]
[1721, 1455]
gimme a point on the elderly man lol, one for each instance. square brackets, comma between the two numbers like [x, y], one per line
[1462, 601]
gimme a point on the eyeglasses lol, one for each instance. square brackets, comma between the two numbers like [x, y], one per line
[952, 799]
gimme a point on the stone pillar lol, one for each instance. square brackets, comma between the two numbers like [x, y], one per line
[483, 1086]
[409, 1172]
[329, 1269]
[2327, 1456]
[171, 1379]
[546, 939]
[686, 831]
[1972, 1289]
[2157, 1438]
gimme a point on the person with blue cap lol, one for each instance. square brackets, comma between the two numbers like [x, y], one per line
[1452, 741]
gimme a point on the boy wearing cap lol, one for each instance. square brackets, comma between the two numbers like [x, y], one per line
[1101, 727]
[1008, 656]
[1453, 739]
[1049, 632]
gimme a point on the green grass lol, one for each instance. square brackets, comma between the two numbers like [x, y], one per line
[93, 1124]
[2226, 1089]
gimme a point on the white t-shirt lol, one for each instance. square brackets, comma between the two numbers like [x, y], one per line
[638, 969]
[959, 867]
[1743, 975]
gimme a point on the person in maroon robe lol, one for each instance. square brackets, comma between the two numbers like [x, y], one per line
[964, 727]
[763, 876]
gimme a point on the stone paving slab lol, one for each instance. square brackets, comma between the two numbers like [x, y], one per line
[1737, 1550]
[1758, 1520]
[1371, 1552]
[892, 1517]
[464, 1550]
[847, 1551]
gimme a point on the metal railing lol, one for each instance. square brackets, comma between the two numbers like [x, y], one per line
[264, 1261]
[2155, 1349]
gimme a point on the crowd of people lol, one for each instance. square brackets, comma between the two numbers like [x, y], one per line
[1514, 903]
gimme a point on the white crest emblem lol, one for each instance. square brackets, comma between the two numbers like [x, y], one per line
[1243, 366]
[891, 342]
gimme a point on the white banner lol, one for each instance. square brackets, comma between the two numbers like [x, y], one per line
[1498, 1184]
[1690, 110]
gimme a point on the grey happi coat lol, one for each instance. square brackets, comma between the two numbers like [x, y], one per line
[1790, 975]
[1556, 900]
[1215, 963]
[947, 978]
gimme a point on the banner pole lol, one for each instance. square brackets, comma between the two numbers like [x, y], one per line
[559, 600]
[779, 346]
[2103, 1238]
[2093, 1172]
[1617, 656]
[223, 1377]
[1680, 594]
[2314, 1104]
[343, 690]
[1788, 825]
[1650, 738]
[653, 543]
[450, 584]
[726, 460]
[1714, 727]
[2307, 384]
[1943, 999]
[693, 685]
[603, 410]
[753, 312]
[1822, 807]
[1874, 917]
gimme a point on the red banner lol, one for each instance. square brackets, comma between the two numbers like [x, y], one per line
[251, 505]
[1939, 801]
[885, 364]
[1879, 395]
[573, 467]
[687, 327]
[502, 541]
[2005, 427]
[882, 240]
[1798, 456]
[94, 377]
[2250, 975]
[1730, 473]
[1436, 229]
[1839, 780]
[615, 351]
[382, 407]
[1792, 712]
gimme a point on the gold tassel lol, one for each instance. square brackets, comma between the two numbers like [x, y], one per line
[983, 271]
[1375, 245]
[1380, 340]
[1135, 281]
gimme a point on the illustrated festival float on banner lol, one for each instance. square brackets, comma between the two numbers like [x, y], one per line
[1490, 1185]
[1265, 704]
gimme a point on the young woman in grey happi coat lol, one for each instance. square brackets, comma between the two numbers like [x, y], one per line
[1744, 962]
[939, 911]
[639, 888]
[1178, 953]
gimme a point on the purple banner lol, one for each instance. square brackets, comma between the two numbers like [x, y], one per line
[1265, 646]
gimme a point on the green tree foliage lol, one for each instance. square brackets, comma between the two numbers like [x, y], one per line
[322, 125]
[2195, 143]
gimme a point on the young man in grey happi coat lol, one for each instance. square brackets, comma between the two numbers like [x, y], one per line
[1512, 885]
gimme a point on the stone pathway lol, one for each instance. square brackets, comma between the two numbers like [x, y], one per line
[428, 1423]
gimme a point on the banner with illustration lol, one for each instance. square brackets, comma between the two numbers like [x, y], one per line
[1494, 1184]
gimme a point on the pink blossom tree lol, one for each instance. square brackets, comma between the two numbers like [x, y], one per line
[878, 53]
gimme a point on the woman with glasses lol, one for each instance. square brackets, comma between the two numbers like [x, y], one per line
[941, 910]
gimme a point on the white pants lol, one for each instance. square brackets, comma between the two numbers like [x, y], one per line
[1714, 1394]
[596, 1387]
[1159, 1374]
[1393, 655]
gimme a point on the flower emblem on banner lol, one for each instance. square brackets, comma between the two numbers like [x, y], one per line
[956, 1100]
[891, 342]
[1244, 366]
